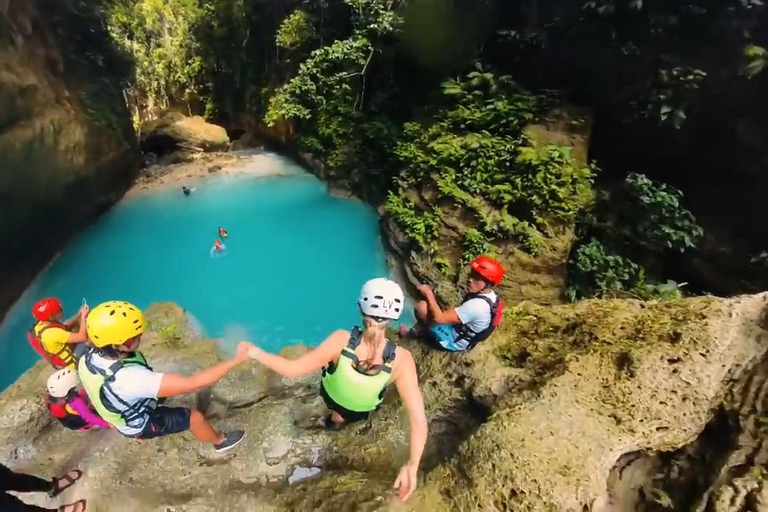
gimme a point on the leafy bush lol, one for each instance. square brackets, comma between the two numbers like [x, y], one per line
[421, 226]
[474, 243]
[655, 218]
[593, 271]
[474, 152]
[294, 30]
[159, 36]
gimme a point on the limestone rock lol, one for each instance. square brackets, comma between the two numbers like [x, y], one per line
[542, 416]
[572, 389]
[67, 147]
[176, 131]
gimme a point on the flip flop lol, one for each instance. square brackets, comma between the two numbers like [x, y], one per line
[68, 480]
[78, 506]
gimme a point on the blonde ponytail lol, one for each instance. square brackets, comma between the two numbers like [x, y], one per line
[375, 335]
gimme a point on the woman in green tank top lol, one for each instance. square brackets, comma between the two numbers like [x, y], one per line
[357, 368]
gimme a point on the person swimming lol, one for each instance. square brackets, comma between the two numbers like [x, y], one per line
[186, 191]
[217, 248]
[223, 232]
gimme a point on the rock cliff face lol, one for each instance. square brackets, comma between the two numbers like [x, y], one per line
[540, 278]
[552, 413]
[67, 148]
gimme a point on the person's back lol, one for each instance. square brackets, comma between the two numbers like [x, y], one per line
[127, 399]
[358, 367]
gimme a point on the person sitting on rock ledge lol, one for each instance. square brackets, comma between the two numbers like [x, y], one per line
[358, 367]
[461, 328]
[125, 391]
[54, 338]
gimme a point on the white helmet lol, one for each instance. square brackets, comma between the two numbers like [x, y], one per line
[61, 382]
[381, 298]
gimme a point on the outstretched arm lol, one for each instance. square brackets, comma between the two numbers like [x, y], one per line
[174, 384]
[407, 382]
[310, 362]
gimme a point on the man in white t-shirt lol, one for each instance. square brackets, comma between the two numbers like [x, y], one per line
[455, 329]
[125, 390]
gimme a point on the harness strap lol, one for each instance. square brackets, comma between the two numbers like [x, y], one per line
[355, 337]
[465, 332]
[131, 411]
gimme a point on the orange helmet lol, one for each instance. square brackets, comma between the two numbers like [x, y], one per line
[489, 268]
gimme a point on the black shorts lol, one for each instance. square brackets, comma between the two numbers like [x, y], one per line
[349, 416]
[164, 421]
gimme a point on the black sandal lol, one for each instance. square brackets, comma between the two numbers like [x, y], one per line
[68, 480]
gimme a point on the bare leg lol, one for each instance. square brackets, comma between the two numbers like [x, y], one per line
[422, 311]
[422, 314]
[203, 430]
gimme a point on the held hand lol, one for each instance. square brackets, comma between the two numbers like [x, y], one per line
[425, 290]
[253, 352]
[84, 310]
[407, 481]
[242, 352]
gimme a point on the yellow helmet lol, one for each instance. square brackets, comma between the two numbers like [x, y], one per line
[114, 323]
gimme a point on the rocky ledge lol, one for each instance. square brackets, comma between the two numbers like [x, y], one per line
[564, 408]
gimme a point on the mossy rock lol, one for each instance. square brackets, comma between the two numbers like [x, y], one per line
[571, 389]
[173, 131]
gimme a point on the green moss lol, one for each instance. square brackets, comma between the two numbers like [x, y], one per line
[541, 340]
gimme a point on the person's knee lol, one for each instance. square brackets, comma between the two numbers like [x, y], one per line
[422, 310]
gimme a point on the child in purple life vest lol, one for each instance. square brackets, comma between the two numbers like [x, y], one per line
[69, 405]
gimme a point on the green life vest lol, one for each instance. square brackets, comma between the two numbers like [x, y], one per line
[97, 383]
[352, 388]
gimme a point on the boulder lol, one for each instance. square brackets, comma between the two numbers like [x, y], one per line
[173, 131]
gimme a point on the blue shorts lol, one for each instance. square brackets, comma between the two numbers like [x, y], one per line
[445, 335]
[164, 421]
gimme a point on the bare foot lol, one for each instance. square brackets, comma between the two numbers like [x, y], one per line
[78, 506]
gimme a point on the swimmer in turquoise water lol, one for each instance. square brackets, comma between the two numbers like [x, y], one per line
[223, 232]
[218, 247]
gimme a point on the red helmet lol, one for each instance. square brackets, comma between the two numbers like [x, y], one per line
[489, 268]
[44, 309]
